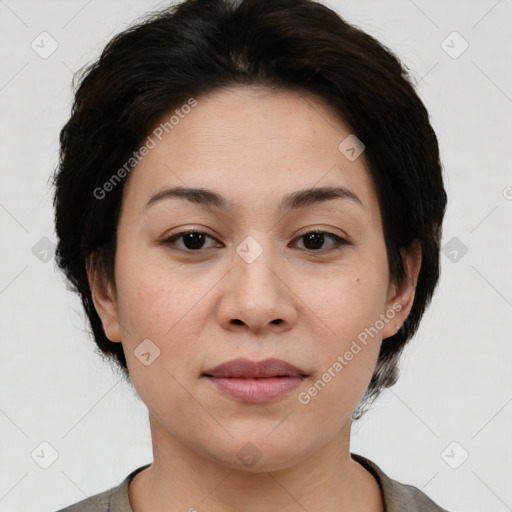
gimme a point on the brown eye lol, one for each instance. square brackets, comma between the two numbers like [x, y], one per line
[193, 241]
[314, 240]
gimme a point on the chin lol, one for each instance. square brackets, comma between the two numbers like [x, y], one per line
[259, 453]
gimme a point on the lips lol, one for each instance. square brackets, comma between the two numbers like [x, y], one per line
[246, 369]
[255, 382]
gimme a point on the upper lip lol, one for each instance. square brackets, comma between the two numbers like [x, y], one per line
[245, 368]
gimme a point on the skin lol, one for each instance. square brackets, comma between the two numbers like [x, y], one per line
[252, 146]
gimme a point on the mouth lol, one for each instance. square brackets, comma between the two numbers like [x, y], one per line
[247, 369]
[255, 381]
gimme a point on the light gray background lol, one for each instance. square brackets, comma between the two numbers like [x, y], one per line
[455, 383]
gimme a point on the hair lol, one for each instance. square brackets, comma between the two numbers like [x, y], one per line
[196, 47]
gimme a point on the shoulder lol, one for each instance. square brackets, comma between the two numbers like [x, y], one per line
[98, 503]
[398, 497]
[114, 499]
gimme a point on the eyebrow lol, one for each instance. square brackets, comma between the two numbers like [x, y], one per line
[295, 200]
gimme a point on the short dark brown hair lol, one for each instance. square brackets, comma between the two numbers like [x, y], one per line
[199, 46]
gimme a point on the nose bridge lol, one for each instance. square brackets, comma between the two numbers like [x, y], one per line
[256, 294]
[255, 262]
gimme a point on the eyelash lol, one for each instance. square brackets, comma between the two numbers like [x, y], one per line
[338, 241]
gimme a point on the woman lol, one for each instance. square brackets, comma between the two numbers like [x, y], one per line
[249, 203]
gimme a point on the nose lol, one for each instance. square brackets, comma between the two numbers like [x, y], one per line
[257, 293]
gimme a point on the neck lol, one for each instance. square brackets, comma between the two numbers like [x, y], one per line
[181, 479]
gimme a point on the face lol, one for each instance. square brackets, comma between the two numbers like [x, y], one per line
[255, 282]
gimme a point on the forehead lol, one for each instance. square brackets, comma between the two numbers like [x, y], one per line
[250, 144]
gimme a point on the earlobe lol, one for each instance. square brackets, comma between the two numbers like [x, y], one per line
[105, 302]
[401, 295]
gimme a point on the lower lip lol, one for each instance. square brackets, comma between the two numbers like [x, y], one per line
[256, 391]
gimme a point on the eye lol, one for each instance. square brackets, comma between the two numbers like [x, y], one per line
[193, 240]
[313, 241]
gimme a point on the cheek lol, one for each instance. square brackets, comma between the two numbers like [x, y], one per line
[349, 306]
[351, 298]
[162, 304]
[160, 328]
[349, 309]
[153, 297]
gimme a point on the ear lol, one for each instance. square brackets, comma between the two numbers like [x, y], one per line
[104, 300]
[401, 294]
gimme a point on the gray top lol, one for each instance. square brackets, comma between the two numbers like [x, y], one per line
[397, 497]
